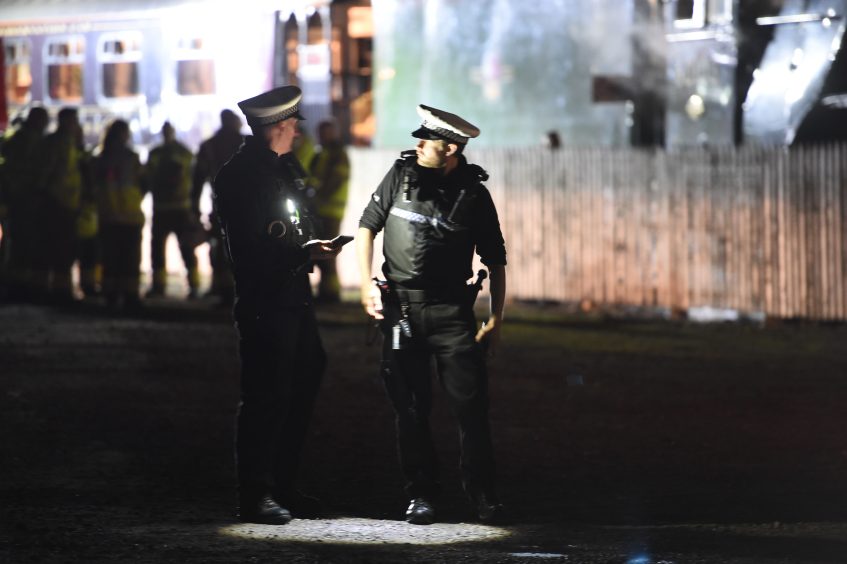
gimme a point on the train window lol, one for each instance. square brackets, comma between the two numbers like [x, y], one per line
[119, 57]
[195, 69]
[18, 71]
[195, 77]
[63, 62]
[690, 14]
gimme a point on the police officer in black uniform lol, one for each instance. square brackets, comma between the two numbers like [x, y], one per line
[436, 213]
[257, 201]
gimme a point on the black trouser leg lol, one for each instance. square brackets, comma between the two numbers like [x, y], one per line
[406, 374]
[461, 369]
[282, 360]
[309, 365]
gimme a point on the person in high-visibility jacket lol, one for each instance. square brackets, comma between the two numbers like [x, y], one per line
[169, 171]
[62, 183]
[87, 231]
[119, 187]
[21, 162]
[329, 175]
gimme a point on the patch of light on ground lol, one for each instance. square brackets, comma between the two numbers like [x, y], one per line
[366, 531]
[540, 555]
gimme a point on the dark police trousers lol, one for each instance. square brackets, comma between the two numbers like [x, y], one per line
[444, 332]
[282, 362]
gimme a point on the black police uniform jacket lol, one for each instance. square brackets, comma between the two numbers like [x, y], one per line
[434, 223]
[256, 199]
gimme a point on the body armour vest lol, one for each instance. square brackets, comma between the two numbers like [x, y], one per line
[430, 233]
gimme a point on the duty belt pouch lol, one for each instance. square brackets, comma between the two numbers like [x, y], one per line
[401, 332]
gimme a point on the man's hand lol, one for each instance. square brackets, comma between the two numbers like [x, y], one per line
[321, 249]
[372, 301]
[489, 334]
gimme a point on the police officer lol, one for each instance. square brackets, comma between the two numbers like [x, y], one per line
[436, 213]
[257, 200]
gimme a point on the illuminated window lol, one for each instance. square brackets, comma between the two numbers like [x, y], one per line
[360, 21]
[18, 71]
[722, 11]
[315, 30]
[119, 57]
[690, 14]
[63, 60]
[292, 57]
[195, 68]
[358, 71]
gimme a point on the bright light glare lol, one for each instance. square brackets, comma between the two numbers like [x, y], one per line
[352, 530]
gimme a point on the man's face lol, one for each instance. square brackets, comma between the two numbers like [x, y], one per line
[288, 130]
[432, 153]
[280, 135]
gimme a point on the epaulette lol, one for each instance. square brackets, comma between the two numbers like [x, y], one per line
[409, 156]
[478, 171]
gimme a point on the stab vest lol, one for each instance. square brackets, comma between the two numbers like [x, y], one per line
[428, 240]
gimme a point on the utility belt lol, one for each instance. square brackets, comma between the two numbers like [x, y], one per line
[440, 295]
[401, 331]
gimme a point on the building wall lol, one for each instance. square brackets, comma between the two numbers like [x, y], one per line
[516, 69]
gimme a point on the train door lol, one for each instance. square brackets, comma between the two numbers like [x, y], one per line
[327, 51]
[352, 70]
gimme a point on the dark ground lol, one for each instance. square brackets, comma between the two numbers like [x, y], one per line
[682, 444]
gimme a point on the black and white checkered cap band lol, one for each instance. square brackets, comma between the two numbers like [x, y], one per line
[273, 118]
[452, 135]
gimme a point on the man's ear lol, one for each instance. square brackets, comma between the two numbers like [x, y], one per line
[452, 148]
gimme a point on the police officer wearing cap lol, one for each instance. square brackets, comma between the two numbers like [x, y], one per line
[268, 240]
[436, 213]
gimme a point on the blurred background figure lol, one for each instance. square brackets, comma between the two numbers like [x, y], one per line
[212, 155]
[89, 251]
[169, 172]
[329, 175]
[119, 186]
[61, 182]
[21, 161]
[304, 146]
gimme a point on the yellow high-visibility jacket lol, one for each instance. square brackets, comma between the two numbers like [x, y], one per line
[119, 187]
[329, 176]
[169, 171]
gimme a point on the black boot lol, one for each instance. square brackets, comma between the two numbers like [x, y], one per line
[299, 504]
[263, 510]
[489, 510]
[420, 512]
